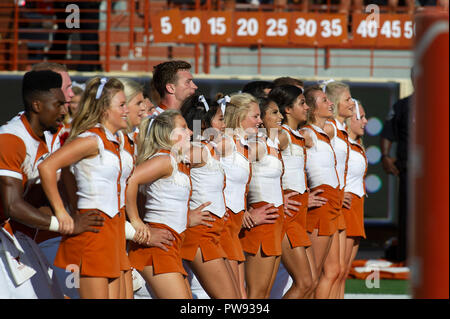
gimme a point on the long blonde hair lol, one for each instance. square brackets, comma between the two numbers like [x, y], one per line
[348, 121]
[334, 91]
[159, 135]
[131, 88]
[238, 109]
[91, 110]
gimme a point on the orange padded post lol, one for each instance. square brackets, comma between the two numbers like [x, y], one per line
[429, 158]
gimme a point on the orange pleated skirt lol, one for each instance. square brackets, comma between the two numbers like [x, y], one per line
[162, 261]
[354, 217]
[296, 225]
[97, 254]
[229, 239]
[266, 236]
[206, 238]
[325, 217]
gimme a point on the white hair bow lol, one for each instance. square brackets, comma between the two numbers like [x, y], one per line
[100, 88]
[202, 99]
[325, 83]
[80, 85]
[358, 115]
[223, 103]
[152, 119]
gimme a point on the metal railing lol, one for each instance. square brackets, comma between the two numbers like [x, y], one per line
[118, 36]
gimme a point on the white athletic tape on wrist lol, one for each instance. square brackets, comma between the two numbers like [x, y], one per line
[54, 224]
[129, 231]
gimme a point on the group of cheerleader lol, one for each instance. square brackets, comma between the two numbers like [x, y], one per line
[225, 189]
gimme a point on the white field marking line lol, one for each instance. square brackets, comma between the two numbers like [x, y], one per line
[376, 296]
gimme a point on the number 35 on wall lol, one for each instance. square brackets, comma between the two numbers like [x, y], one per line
[323, 29]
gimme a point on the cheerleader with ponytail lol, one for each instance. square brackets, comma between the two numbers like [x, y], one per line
[201, 248]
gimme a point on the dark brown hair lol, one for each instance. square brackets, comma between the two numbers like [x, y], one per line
[166, 72]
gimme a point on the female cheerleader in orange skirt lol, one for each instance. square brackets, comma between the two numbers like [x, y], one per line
[322, 222]
[163, 171]
[339, 94]
[93, 150]
[128, 139]
[262, 243]
[201, 248]
[297, 255]
[242, 117]
[357, 169]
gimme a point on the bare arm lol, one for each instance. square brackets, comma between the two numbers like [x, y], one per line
[309, 142]
[284, 140]
[145, 173]
[68, 154]
[329, 129]
[16, 208]
[387, 161]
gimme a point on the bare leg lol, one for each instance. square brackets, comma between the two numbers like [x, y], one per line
[258, 274]
[99, 288]
[320, 247]
[330, 269]
[214, 277]
[122, 291]
[93, 288]
[188, 287]
[234, 276]
[167, 286]
[358, 6]
[340, 281]
[239, 276]
[352, 244]
[305, 6]
[344, 6]
[274, 276]
[241, 280]
[128, 285]
[314, 274]
[114, 288]
[297, 265]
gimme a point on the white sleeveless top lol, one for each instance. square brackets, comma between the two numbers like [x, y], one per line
[321, 161]
[294, 164]
[237, 171]
[98, 178]
[357, 167]
[167, 199]
[208, 183]
[265, 185]
[341, 150]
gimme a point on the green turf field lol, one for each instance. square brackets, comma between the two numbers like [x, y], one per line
[387, 288]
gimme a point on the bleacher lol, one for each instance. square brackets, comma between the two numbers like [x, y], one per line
[127, 40]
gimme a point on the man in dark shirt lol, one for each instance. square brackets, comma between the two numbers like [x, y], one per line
[396, 129]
